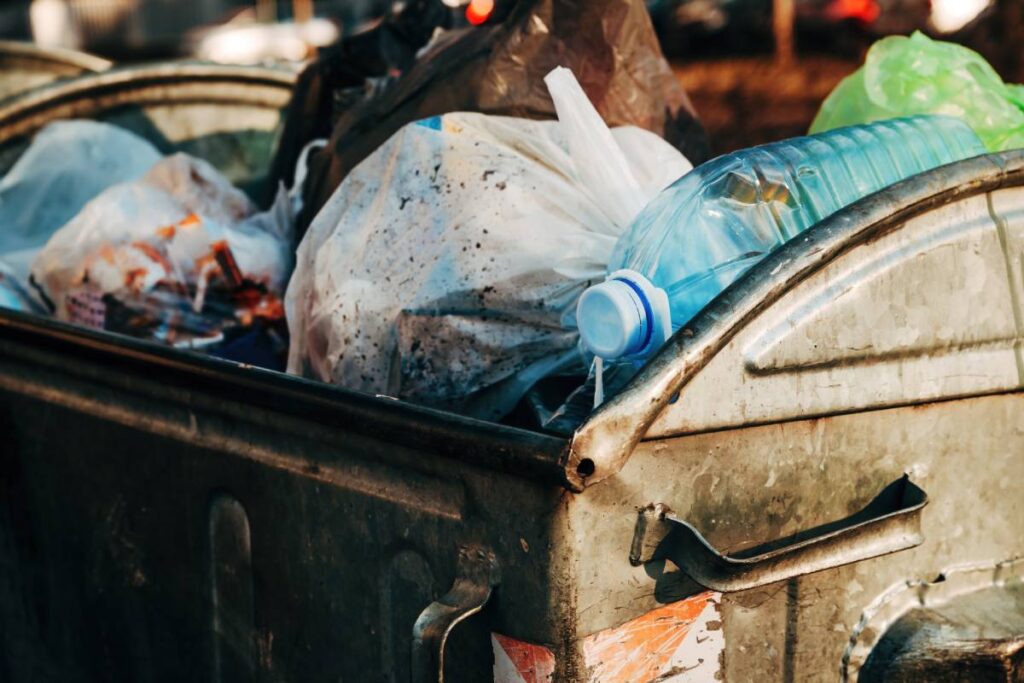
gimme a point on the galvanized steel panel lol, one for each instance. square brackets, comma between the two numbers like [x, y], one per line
[923, 313]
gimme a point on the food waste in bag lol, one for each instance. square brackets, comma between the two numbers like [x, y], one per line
[446, 267]
[178, 256]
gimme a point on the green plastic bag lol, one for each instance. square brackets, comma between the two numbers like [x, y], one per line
[917, 75]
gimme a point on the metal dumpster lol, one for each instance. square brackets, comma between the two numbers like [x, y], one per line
[24, 66]
[229, 116]
[825, 461]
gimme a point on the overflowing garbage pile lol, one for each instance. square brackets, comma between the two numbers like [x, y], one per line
[105, 233]
[503, 242]
[178, 256]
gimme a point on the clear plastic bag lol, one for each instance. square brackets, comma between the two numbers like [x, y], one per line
[178, 256]
[68, 164]
[905, 76]
[445, 268]
[496, 69]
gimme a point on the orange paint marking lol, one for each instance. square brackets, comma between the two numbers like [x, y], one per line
[641, 650]
[534, 663]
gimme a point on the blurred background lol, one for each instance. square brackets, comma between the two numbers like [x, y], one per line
[756, 70]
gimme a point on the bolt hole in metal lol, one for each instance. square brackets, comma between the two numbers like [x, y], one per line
[585, 468]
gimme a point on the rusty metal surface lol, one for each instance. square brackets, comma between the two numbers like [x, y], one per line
[167, 84]
[663, 401]
[751, 438]
[768, 482]
[115, 468]
[24, 66]
[889, 523]
[924, 313]
[923, 379]
[46, 344]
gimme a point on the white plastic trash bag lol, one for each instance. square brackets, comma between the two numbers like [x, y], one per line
[445, 268]
[67, 164]
[200, 189]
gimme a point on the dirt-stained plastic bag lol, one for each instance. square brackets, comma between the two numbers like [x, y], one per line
[179, 256]
[917, 75]
[67, 164]
[446, 267]
[499, 69]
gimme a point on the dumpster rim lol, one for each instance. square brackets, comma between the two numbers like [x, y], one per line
[19, 115]
[520, 452]
[87, 62]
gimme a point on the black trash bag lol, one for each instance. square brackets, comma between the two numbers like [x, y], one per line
[345, 74]
[498, 68]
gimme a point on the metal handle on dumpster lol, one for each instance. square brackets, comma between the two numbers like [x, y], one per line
[890, 522]
[477, 574]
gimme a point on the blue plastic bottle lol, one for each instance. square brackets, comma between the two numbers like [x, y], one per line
[714, 223]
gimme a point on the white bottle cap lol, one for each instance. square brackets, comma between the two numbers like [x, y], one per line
[612, 320]
[624, 316]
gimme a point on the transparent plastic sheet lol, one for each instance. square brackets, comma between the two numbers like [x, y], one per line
[68, 164]
[446, 267]
[905, 76]
[178, 256]
[499, 69]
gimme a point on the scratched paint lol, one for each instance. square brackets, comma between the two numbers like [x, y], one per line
[677, 643]
[519, 662]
